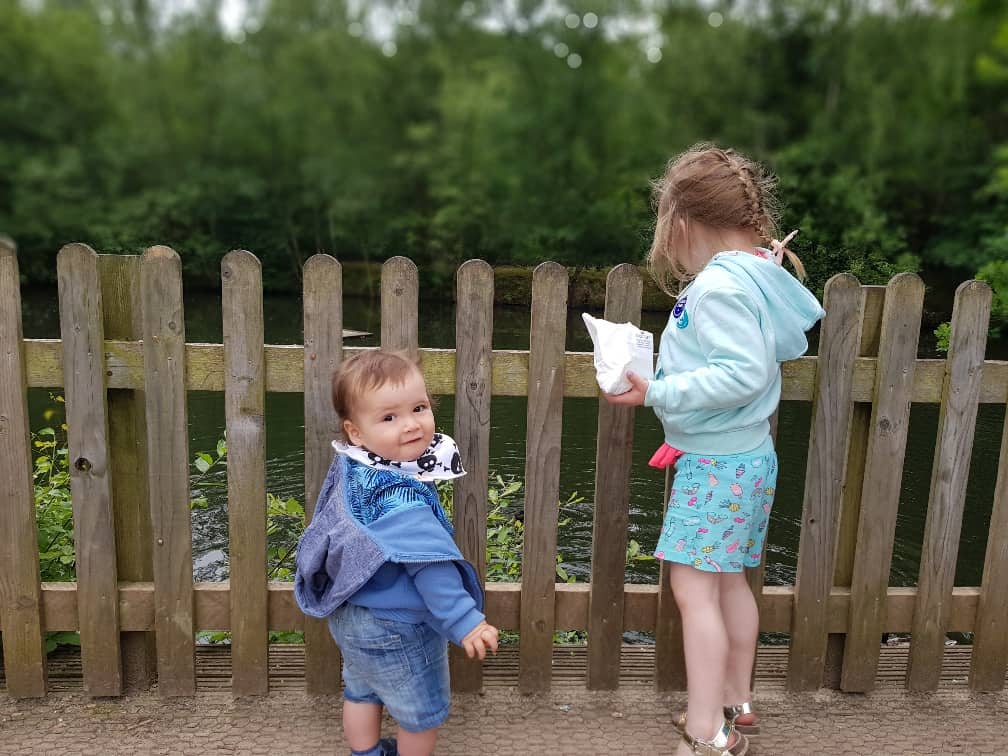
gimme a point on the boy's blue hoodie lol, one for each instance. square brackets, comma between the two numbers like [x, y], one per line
[380, 539]
[718, 378]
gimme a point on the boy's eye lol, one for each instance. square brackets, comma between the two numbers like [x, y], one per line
[420, 408]
[387, 419]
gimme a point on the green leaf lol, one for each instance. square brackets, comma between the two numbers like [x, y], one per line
[64, 638]
[202, 464]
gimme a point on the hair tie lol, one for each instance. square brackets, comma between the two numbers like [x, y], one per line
[779, 247]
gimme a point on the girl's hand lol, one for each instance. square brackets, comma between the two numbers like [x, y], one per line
[479, 639]
[635, 396]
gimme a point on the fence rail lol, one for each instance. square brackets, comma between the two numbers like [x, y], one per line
[125, 368]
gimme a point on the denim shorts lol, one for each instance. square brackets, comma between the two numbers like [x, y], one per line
[718, 511]
[399, 665]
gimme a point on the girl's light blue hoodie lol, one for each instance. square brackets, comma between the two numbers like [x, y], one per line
[718, 379]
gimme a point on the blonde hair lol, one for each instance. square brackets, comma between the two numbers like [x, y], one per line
[366, 371]
[718, 188]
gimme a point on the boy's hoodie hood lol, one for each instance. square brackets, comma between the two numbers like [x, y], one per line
[792, 308]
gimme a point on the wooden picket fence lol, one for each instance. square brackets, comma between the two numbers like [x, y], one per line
[125, 367]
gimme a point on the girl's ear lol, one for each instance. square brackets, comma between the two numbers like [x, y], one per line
[352, 432]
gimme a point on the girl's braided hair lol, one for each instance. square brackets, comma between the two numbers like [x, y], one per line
[719, 188]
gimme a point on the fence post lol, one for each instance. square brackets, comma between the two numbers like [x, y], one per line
[670, 663]
[989, 660]
[950, 473]
[901, 319]
[20, 593]
[473, 380]
[168, 469]
[400, 290]
[121, 316]
[613, 454]
[831, 413]
[91, 484]
[542, 476]
[850, 509]
[244, 404]
[323, 353]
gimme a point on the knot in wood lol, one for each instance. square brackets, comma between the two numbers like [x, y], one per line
[82, 464]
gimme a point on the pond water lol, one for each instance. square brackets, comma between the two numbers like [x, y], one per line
[285, 438]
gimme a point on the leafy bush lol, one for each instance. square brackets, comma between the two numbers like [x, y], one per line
[996, 274]
[942, 335]
[53, 511]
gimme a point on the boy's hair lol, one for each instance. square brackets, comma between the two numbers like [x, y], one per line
[366, 371]
[719, 188]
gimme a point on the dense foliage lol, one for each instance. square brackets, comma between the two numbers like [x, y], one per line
[516, 132]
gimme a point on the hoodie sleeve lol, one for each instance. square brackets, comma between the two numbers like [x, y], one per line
[738, 367]
[453, 609]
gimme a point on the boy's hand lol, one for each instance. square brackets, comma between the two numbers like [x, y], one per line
[635, 396]
[479, 639]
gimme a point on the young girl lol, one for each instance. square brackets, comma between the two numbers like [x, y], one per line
[739, 315]
[379, 561]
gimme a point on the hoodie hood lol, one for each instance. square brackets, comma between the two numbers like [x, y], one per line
[792, 308]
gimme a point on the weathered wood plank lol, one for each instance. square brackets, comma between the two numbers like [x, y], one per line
[473, 339]
[400, 292]
[989, 662]
[244, 405]
[756, 576]
[121, 317]
[542, 474]
[857, 447]
[20, 594]
[950, 473]
[831, 413]
[90, 474]
[510, 371]
[167, 424]
[213, 607]
[323, 353]
[671, 663]
[610, 524]
[901, 317]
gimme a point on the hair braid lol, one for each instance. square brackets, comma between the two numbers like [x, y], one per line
[750, 183]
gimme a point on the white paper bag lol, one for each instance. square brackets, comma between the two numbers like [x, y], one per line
[619, 348]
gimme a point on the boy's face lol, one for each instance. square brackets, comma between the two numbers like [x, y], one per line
[394, 421]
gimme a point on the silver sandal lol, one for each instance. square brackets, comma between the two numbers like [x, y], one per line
[719, 744]
[732, 713]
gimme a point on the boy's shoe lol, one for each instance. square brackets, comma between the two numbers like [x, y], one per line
[384, 747]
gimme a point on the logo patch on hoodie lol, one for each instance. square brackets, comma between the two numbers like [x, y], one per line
[679, 313]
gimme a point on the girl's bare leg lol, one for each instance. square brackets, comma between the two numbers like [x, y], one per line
[361, 724]
[741, 620]
[705, 644]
